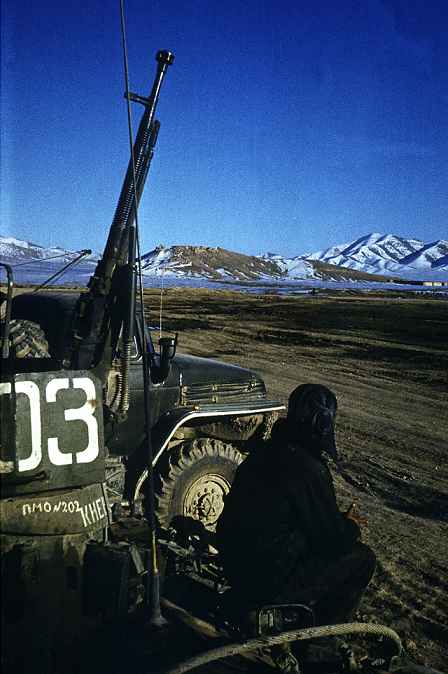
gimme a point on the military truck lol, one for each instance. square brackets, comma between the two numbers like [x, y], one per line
[95, 418]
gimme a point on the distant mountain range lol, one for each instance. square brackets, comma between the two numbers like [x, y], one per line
[218, 264]
[374, 257]
[384, 254]
[374, 254]
[16, 251]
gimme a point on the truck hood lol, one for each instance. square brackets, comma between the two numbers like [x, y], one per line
[203, 380]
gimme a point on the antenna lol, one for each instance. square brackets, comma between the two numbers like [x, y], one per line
[161, 305]
[164, 59]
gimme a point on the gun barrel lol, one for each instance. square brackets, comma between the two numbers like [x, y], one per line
[125, 210]
[92, 320]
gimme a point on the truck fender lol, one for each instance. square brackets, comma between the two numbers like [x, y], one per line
[170, 422]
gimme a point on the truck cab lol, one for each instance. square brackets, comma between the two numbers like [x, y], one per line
[190, 399]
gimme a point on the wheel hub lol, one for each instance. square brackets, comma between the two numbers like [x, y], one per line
[204, 499]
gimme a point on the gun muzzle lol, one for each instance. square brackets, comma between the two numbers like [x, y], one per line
[165, 57]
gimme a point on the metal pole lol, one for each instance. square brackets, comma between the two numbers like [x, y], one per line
[7, 318]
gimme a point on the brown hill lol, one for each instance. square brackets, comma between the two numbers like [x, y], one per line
[219, 264]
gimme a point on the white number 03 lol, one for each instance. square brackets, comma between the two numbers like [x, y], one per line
[85, 413]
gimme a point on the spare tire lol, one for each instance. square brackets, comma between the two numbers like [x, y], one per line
[27, 340]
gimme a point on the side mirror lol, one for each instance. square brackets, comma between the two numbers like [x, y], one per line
[168, 347]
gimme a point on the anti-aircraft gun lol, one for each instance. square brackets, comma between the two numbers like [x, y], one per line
[95, 423]
[94, 418]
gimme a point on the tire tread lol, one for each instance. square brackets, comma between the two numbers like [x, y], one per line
[181, 459]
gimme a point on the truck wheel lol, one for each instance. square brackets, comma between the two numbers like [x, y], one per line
[195, 481]
[27, 340]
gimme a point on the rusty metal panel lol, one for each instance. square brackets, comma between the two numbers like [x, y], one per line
[41, 601]
[71, 512]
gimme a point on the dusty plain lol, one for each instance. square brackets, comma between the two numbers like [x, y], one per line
[385, 356]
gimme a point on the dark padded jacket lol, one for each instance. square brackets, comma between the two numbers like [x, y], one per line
[280, 520]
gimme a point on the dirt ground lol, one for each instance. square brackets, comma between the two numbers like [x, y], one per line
[386, 358]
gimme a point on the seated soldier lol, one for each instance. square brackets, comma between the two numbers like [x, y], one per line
[281, 535]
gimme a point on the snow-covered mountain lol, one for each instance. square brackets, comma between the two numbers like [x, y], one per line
[35, 264]
[16, 251]
[219, 264]
[292, 267]
[441, 263]
[387, 254]
[374, 257]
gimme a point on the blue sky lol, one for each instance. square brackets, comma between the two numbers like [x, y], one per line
[285, 127]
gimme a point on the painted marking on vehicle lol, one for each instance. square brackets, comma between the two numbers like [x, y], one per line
[91, 512]
[64, 506]
[6, 466]
[54, 391]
